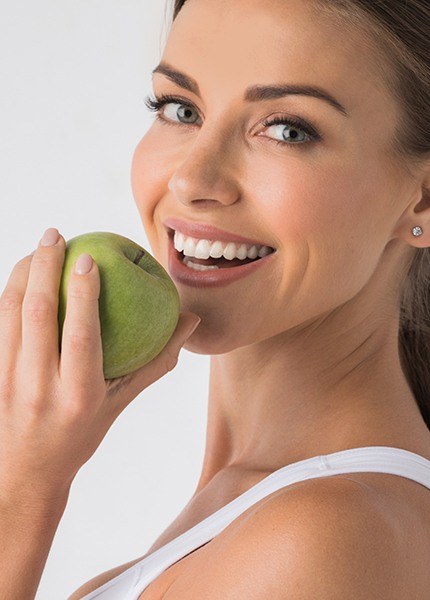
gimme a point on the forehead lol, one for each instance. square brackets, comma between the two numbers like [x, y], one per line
[230, 44]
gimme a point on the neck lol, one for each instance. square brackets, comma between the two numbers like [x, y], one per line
[293, 396]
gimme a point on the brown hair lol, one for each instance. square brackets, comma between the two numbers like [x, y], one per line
[399, 29]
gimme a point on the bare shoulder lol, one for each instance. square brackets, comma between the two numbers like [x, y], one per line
[101, 579]
[325, 539]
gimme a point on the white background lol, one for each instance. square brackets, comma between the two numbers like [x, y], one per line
[74, 75]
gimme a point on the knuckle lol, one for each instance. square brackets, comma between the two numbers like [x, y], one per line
[79, 403]
[38, 308]
[79, 339]
[10, 301]
[38, 390]
[82, 293]
[36, 401]
[41, 259]
[77, 409]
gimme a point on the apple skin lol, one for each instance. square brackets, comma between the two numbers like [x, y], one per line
[138, 304]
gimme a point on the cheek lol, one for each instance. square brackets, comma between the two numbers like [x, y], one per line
[148, 183]
[338, 199]
[146, 172]
[302, 201]
[150, 171]
[334, 216]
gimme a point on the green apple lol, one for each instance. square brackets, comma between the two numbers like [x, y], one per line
[138, 302]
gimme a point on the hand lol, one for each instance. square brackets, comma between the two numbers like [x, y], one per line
[55, 409]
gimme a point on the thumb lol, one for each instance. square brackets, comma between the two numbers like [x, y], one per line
[187, 324]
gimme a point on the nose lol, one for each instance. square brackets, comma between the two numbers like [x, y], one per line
[205, 176]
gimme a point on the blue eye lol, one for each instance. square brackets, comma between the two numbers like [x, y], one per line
[292, 124]
[157, 104]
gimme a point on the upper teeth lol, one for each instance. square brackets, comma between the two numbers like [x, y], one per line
[205, 248]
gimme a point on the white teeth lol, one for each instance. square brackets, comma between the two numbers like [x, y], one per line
[205, 248]
[188, 247]
[187, 261]
[178, 241]
[242, 251]
[217, 249]
[264, 251]
[230, 251]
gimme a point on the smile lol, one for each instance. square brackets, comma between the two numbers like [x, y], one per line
[212, 271]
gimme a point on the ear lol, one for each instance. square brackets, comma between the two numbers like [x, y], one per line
[417, 214]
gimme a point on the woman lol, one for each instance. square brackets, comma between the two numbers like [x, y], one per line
[319, 382]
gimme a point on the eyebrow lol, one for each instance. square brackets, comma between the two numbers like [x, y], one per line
[254, 93]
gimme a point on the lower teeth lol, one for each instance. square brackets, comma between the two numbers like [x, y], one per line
[187, 261]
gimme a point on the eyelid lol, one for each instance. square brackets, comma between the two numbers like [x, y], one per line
[174, 97]
[183, 100]
[311, 131]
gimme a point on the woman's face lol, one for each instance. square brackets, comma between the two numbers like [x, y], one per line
[328, 206]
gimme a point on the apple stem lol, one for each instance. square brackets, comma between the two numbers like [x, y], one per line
[139, 256]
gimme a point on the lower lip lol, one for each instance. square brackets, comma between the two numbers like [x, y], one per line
[213, 277]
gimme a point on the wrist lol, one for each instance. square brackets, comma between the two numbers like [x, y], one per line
[29, 500]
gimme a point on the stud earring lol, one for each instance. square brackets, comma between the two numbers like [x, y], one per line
[417, 231]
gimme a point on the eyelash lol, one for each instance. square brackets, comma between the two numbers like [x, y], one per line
[156, 104]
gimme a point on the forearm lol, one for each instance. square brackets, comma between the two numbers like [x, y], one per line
[26, 536]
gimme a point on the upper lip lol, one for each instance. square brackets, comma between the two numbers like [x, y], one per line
[204, 231]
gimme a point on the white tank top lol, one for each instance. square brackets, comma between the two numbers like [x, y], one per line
[377, 459]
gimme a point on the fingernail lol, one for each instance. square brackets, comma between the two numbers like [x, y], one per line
[83, 264]
[193, 328]
[50, 237]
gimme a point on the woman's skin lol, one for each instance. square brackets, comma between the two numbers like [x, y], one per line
[304, 355]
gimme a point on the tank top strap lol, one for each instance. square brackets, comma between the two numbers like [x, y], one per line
[129, 584]
[377, 459]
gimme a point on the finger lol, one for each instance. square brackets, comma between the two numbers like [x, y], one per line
[81, 361]
[124, 389]
[11, 301]
[40, 353]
